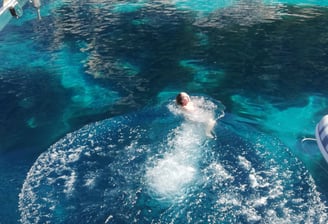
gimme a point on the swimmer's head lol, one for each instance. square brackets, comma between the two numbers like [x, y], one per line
[182, 99]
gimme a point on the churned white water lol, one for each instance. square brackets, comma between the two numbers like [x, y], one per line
[167, 170]
[170, 175]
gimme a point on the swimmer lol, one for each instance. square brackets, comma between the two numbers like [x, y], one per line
[183, 100]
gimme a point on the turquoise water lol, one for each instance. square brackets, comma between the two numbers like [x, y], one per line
[116, 68]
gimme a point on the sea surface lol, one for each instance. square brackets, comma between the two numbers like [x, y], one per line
[90, 132]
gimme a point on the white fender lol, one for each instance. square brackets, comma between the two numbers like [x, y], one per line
[321, 134]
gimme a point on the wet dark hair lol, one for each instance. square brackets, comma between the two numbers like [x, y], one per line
[178, 99]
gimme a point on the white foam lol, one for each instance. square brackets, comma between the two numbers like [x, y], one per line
[203, 111]
[262, 201]
[220, 174]
[253, 180]
[69, 182]
[244, 163]
[171, 175]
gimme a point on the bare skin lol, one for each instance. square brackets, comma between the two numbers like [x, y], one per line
[185, 102]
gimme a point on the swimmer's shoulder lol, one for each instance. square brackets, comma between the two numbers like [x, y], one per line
[189, 107]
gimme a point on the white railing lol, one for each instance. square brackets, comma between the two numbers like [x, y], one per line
[13, 8]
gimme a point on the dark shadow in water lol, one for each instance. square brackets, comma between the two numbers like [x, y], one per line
[33, 103]
[282, 59]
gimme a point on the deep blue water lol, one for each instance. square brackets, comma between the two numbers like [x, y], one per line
[116, 67]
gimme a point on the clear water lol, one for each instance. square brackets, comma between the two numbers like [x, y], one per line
[116, 68]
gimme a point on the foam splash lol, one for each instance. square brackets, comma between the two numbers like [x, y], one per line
[205, 110]
[170, 176]
[75, 164]
[158, 166]
[257, 190]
